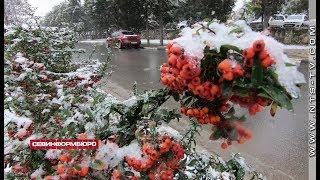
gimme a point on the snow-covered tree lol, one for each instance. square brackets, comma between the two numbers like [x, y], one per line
[295, 7]
[17, 12]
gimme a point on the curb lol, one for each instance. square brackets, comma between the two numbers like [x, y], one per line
[155, 47]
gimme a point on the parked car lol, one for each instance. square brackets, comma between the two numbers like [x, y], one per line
[256, 24]
[296, 21]
[123, 39]
[182, 24]
[277, 20]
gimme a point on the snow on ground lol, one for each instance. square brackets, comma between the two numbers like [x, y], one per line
[143, 41]
[154, 41]
[93, 41]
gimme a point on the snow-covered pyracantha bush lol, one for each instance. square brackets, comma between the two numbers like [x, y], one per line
[134, 139]
[48, 45]
[214, 68]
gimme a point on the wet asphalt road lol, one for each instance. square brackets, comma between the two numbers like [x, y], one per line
[280, 145]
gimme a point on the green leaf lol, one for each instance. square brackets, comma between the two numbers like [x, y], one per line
[217, 134]
[225, 48]
[226, 88]
[257, 71]
[236, 30]
[176, 96]
[289, 64]
[278, 95]
[243, 83]
[97, 165]
[193, 162]
[240, 91]
[233, 134]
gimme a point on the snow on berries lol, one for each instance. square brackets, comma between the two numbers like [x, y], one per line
[211, 83]
[160, 158]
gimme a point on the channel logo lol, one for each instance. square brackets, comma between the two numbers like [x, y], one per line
[37, 144]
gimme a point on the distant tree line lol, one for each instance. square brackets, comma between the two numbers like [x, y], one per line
[104, 16]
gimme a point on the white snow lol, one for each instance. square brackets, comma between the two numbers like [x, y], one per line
[37, 173]
[165, 129]
[111, 155]
[94, 41]
[52, 153]
[7, 169]
[194, 40]
[12, 117]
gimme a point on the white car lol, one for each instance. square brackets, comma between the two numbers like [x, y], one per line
[296, 21]
[182, 24]
[277, 20]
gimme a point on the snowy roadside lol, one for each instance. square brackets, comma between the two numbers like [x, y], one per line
[156, 42]
[153, 42]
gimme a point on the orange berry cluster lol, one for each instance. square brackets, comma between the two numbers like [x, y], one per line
[66, 171]
[116, 175]
[253, 103]
[230, 69]
[156, 163]
[183, 73]
[243, 135]
[258, 48]
[205, 90]
[202, 114]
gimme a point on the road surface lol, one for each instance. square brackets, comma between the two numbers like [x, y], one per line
[279, 148]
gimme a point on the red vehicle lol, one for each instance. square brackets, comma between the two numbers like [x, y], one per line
[122, 39]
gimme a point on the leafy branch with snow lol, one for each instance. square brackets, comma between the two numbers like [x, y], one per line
[215, 69]
[47, 96]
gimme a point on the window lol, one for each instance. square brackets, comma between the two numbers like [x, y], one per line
[295, 17]
[277, 18]
[127, 33]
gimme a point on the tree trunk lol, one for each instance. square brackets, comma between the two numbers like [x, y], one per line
[148, 34]
[161, 32]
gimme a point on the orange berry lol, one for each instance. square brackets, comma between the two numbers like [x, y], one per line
[224, 145]
[241, 140]
[248, 53]
[49, 178]
[238, 70]
[205, 110]
[196, 112]
[65, 157]
[228, 76]
[199, 89]
[169, 45]
[263, 54]
[189, 112]
[266, 63]
[214, 89]
[196, 81]
[213, 119]
[60, 169]
[181, 62]
[183, 110]
[249, 62]
[164, 69]
[176, 49]
[83, 136]
[84, 171]
[258, 45]
[225, 65]
[172, 60]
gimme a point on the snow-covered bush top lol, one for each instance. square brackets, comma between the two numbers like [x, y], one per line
[239, 34]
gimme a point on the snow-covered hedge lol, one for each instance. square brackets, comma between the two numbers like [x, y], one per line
[135, 142]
